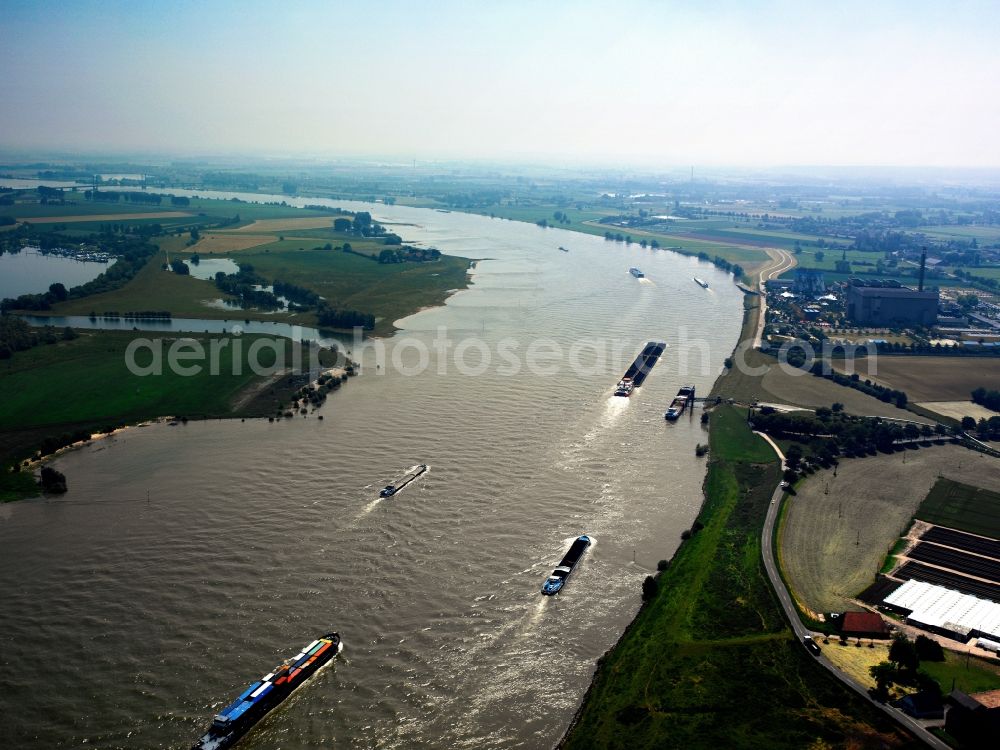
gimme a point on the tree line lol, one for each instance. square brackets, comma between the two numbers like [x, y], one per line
[17, 336]
[990, 399]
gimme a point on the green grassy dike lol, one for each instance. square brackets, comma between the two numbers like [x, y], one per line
[710, 662]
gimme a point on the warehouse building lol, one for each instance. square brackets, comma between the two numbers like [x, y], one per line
[888, 306]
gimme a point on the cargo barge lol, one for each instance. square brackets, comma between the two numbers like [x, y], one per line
[701, 282]
[636, 272]
[636, 374]
[264, 695]
[391, 489]
[683, 399]
[554, 583]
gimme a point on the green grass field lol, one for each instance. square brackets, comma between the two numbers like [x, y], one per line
[962, 506]
[87, 380]
[709, 661]
[970, 675]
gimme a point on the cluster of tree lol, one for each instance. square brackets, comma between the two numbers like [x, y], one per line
[297, 294]
[333, 318]
[408, 253]
[53, 482]
[315, 394]
[832, 433]
[7, 221]
[361, 224]
[53, 443]
[179, 267]
[242, 286]
[57, 293]
[17, 336]
[903, 666]
[987, 429]
[734, 268]
[988, 398]
[139, 197]
[881, 392]
[561, 217]
[179, 200]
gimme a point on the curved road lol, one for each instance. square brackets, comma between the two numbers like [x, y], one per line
[782, 263]
[791, 613]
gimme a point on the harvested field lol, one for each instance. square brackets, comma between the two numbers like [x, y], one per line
[777, 386]
[278, 225]
[964, 507]
[855, 662]
[958, 409]
[837, 530]
[932, 378]
[229, 243]
[106, 217]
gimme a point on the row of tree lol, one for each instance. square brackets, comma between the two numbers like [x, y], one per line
[988, 398]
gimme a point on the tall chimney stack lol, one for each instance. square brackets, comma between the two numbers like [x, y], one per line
[923, 268]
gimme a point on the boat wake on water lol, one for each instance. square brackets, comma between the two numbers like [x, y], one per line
[391, 490]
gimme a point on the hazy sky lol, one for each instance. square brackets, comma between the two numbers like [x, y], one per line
[660, 83]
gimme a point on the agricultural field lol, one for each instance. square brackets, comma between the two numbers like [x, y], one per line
[805, 390]
[932, 378]
[837, 529]
[228, 242]
[961, 506]
[713, 629]
[957, 409]
[278, 225]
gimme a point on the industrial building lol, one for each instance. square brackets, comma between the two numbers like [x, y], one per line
[883, 305]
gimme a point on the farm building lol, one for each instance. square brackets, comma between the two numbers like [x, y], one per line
[974, 719]
[946, 612]
[863, 625]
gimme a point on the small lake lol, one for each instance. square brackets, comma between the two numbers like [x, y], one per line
[208, 267]
[31, 272]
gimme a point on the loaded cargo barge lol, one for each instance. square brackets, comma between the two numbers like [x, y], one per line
[554, 583]
[267, 693]
[636, 374]
[391, 489]
[683, 399]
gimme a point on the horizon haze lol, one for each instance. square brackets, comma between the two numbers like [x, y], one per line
[778, 83]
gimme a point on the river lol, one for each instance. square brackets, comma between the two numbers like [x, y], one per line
[186, 561]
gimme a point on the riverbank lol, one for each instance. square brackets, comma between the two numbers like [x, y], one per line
[712, 641]
[61, 393]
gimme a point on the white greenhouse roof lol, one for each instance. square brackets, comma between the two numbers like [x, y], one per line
[940, 607]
